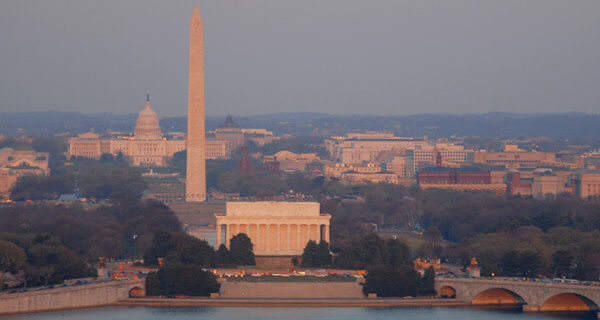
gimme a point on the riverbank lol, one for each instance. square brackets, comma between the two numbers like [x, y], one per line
[291, 302]
[70, 297]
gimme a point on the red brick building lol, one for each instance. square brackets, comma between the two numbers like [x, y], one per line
[461, 179]
[453, 177]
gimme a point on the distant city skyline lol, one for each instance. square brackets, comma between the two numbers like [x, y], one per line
[339, 57]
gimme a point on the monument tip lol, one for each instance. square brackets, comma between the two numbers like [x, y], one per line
[196, 15]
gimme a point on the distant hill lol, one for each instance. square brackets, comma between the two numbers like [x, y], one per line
[572, 126]
[54, 122]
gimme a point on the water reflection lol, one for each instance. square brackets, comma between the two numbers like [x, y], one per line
[220, 313]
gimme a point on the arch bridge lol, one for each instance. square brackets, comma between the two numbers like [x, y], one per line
[534, 296]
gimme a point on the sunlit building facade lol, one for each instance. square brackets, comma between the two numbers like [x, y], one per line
[146, 148]
[18, 162]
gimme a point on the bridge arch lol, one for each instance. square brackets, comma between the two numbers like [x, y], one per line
[498, 296]
[447, 292]
[568, 301]
[137, 292]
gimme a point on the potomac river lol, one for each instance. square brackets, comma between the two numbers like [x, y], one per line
[293, 313]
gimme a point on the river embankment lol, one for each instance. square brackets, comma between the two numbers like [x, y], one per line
[101, 293]
[232, 294]
[291, 302]
[291, 293]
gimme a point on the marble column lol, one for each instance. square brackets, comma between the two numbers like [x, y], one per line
[299, 226]
[257, 244]
[288, 244]
[218, 235]
[319, 234]
[268, 242]
[278, 237]
[227, 235]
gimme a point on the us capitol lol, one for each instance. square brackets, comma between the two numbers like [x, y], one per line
[150, 147]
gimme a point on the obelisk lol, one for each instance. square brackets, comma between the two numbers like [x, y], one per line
[195, 182]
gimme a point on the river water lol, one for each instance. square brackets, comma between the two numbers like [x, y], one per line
[222, 313]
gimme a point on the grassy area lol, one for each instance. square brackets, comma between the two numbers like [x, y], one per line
[292, 279]
[412, 240]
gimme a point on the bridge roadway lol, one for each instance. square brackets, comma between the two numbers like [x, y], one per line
[534, 296]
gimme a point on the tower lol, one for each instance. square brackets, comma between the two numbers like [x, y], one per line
[195, 183]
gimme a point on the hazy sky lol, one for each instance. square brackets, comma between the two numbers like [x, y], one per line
[335, 56]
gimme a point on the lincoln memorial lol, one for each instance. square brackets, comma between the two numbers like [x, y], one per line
[275, 228]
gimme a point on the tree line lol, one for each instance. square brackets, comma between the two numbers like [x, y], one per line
[62, 242]
[93, 179]
[511, 236]
[184, 260]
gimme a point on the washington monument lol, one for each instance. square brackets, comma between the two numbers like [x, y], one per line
[195, 183]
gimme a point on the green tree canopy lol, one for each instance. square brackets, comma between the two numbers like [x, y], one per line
[388, 281]
[32, 187]
[323, 256]
[316, 255]
[241, 250]
[180, 248]
[428, 281]
[12, 257]
[309, 254]
[224, 254]
[181, 279]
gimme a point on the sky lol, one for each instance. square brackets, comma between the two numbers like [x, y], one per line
[382, 57]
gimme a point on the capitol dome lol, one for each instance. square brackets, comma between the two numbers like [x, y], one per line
[147, 125]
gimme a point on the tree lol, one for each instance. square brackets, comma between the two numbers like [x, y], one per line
[191, 250]
[526, 263]
[49, 263]
[241, 250]
[55, 146]
[153, 285]
[428, 281]
[180, 248]
[309, 254]
[107, 157]
[179, 161]
[12, 258]
[224, 255]
[388, 281]
[194, 281]
[161, 245]
[323, 255]
[251, 185]
[562, 263]
[102, 180]
[32, 187]
[174, 278]
[432, 235]
[399, 253]
[38, 275]
[59, 240]
[370, 250]
[373, 249]
[588, 267]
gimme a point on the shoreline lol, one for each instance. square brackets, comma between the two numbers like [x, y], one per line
[287, 302]
[264, 303]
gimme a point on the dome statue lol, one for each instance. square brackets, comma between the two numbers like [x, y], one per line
[147, 126]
